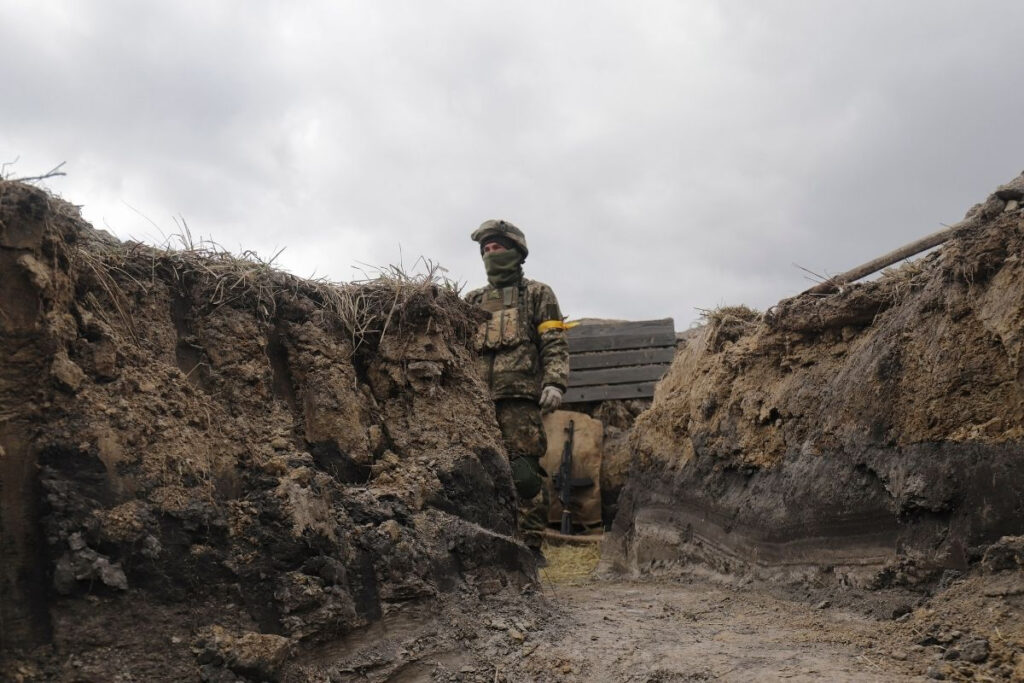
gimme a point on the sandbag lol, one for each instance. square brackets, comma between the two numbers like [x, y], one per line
[588, 442]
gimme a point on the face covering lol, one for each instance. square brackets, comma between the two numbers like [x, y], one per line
[503, 268]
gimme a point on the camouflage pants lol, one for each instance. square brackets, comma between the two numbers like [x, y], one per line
[525, 442]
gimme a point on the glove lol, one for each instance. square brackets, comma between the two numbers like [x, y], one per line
[550, 399]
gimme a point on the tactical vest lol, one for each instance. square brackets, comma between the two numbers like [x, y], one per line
[508, 325]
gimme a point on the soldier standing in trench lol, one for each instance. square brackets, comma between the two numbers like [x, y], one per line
[524, 358]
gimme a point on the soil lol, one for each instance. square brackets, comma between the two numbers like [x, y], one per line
[872, 437]
[208, 464]
[214, 471]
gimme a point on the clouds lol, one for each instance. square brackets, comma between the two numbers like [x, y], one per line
[658, 155]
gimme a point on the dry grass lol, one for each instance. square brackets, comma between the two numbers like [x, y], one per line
[729, 323]
[570, 564]
[730, 314]
[385, 302]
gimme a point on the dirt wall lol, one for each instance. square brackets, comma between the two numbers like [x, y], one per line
[873, 437]
[243, 461]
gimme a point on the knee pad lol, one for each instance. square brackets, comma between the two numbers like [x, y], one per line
[526, 475]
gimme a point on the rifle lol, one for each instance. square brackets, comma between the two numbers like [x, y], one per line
[565, 482]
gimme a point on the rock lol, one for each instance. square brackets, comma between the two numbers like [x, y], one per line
[279, 443]
[1012, 205]
[992, 207]
[1006, 554]
[975, 651]
[86, 565]
[935, 673]
[901, 610]
[66, 373]
[391, 529]
[824, 604]
[254, 655]
[36, 271]
[1011, 190]
[104, 359]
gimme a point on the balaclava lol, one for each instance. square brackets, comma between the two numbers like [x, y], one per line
[504, 268]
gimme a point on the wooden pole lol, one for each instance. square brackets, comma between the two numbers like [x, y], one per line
[892, 257]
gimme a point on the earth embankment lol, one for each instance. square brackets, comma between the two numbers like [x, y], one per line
[207, 464]
[872, 437]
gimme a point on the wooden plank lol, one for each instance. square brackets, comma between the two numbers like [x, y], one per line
[631, 327]
[627, 375]
[609, 392]
[906, 251]
[614, 359]
[614, 342]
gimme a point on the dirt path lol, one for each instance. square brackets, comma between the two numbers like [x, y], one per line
[616, 631]
[586, 629]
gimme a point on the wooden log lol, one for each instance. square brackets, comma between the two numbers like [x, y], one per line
[627, 375]
[613, 359]
[875, 265]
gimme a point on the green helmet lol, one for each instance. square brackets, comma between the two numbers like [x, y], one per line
[498, 228]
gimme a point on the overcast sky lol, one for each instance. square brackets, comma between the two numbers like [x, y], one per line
[659, 156]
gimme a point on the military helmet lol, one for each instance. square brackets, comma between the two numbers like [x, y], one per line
[498, 228]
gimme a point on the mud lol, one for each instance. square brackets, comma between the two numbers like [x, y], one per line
[872, 438]
[214, 471]
[208, 464]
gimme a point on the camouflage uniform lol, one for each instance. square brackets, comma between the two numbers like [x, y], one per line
[522, 349]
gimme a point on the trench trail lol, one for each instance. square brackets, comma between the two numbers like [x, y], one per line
[585, 627]
[697, 628]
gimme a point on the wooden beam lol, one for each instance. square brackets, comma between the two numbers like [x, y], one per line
[613, 359]
[627, 375]
[906, 251]
[609, 392]
[635, 327]
[621, 341]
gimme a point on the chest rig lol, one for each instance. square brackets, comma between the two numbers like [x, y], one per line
[507, 324]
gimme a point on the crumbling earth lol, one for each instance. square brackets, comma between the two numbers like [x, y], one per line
[211, 470]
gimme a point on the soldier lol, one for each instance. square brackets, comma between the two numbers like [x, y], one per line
[524, 358]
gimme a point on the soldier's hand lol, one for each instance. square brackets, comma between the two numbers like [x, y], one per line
[550, 399]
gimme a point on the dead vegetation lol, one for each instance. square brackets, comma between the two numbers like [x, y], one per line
[729, 323]
[388, 300]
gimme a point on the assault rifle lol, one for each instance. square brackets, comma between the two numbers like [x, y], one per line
[565, 482]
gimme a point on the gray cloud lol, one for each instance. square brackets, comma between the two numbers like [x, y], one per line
[660, 156]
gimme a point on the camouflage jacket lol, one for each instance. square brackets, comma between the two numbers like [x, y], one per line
[522, 348]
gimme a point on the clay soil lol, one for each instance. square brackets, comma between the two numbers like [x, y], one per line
[213, 471]
[692, 626]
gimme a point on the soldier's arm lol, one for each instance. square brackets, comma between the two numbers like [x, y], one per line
[553, 346]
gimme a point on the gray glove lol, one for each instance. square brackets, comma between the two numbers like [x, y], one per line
[550, 399]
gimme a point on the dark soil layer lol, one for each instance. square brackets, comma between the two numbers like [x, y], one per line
[873, 437]
[207, 465]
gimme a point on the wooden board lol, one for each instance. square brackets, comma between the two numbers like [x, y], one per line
[615, 359]
[608, 392]
[637, 326]
[618, 360]
[626, 375]
[622, 339]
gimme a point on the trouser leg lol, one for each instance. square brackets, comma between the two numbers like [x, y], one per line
[523, 434]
